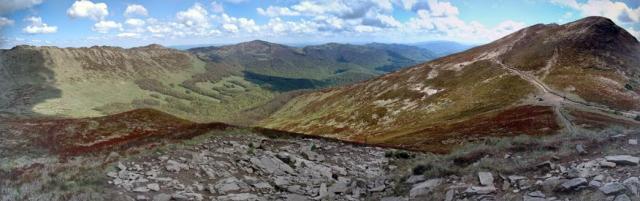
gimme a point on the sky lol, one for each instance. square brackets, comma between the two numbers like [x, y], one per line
[130, 23]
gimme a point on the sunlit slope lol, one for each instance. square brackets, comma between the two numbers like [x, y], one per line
[520, 84]
[80, 82]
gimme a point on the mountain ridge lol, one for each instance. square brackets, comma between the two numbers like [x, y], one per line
[416, 107]
[199, 86]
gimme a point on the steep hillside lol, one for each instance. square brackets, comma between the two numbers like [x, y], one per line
[523, 83]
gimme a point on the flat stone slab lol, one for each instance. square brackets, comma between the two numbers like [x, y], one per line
[574, 183]
[486, 178]
[612, 188]
[623, 159]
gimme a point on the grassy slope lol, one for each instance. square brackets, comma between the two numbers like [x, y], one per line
[84, 82]
[591, 60]
[215, 84]
[387, 108]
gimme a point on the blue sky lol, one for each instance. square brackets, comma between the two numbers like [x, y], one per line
[130, 23]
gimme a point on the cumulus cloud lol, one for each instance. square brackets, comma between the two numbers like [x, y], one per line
[8, 6]
[617, 11]
[88, 9]
[5, 22]
[442, 19]
[135, 10]
[234, 24]
[274, 11]
[196, 16]
[135, 22]
[345, 9]
[278, 26]
[230, 28]
[38, 27]
[106, 26]
[128, 35]
[383, 21]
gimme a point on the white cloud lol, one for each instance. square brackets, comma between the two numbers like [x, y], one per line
[230, 28]
[5, 22]
[274, 11]
[442, 9]
[442, 20]
[196, 16]
[617, 11]
[233, 24]
[106, 26]
[383, 21]
[279, 27]
[135, 22]
[8, 6]
[216, 7]
[345, 9]
[38, 27]
[135, 9]
[128, 35]
[88, 9]
[365, 29]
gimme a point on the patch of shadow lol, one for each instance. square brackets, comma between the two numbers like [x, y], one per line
[340, 71]
[282, 84]
[397, 62]
[27, 80]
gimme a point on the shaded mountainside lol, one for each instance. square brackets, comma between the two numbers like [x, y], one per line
[203, 84]
[524, 83]
[321, 65]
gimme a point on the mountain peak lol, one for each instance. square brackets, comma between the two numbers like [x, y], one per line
[259, 42]
[593, 20]
[598, 29]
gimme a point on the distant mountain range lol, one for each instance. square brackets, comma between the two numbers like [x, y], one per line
[438, 48]
[443, 48]
[540, 80]
[200, 84]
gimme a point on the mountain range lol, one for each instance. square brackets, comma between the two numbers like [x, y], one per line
[553, 111]
[201, 84]
[540, 80]
[544, 79]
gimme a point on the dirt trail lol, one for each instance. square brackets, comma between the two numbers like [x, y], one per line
[560, 101]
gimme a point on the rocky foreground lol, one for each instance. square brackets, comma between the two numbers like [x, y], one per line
[253, 167]
[256, 167]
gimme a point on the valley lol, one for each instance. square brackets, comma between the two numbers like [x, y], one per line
[201, 84]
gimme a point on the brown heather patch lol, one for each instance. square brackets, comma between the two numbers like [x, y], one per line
[590, 120]
[590, 88]
[528, 119]
[118, 132]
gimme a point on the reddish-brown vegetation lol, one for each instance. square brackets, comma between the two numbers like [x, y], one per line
[529, 120]
[592, 120]
[117, 132]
